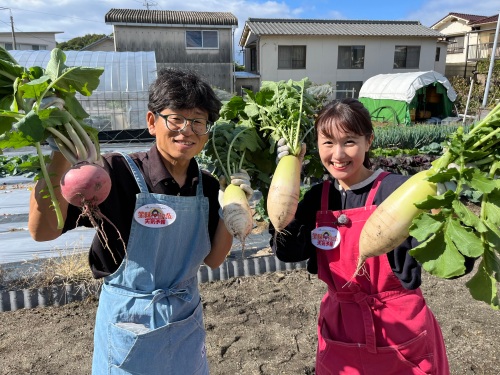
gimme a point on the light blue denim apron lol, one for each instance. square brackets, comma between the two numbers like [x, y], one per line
[150, 320]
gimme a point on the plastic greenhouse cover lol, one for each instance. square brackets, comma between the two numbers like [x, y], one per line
[403, 86]
[123, 71]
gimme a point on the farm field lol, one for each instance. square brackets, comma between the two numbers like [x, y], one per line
[255, 325]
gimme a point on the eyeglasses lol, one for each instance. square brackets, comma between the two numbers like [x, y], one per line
[177, 123]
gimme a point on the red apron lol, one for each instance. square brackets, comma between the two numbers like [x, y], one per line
[370, 324]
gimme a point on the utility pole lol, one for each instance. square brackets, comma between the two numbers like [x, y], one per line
[147, 4]
[492, 62]
[12, 27]
[13, 33]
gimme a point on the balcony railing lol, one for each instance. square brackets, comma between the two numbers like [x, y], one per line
[453, 48]
[482, 51]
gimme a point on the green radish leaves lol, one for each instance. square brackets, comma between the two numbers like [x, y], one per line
[282, 109]
[231, 145]
[25, 88]
[71, 79]
[482, 286]
[37, 103]
[456, 232]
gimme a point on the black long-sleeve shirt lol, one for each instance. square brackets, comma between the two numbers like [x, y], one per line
[296, 245]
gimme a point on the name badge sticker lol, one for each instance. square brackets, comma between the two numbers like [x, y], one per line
[325, 238]
[155, 215]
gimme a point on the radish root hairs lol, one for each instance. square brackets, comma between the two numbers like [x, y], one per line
[277, 237]
[97, 219]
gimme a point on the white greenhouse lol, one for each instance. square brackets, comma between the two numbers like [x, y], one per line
[120, 101]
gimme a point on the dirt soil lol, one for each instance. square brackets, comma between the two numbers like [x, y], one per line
[255, 325]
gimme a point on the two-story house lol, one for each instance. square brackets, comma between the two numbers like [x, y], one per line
[33, 40]
[469, 38]
[344, 53]
[200, 41]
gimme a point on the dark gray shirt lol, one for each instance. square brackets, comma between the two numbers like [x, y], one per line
[119, 207]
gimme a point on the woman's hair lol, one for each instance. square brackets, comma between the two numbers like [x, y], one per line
[178, 89]
[348, 115]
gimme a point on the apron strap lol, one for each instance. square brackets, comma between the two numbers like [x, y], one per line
[159, 294]
[324, 195]
[143, 187]
[375, 186]
[199, 187]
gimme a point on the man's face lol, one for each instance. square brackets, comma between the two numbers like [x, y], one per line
[174, 146]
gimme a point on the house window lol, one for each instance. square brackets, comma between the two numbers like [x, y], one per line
[348, 89]
[351, 57]
[406, 57]
[291, 57]
[438, 53]
[202, 39]
[253, 59]
[9, 46]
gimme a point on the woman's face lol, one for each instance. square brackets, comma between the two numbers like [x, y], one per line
[177, 147]
[343, 156]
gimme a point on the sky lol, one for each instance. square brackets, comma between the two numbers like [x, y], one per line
[77, 18]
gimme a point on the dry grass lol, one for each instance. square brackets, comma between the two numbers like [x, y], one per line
[68, 266]
[3, 276]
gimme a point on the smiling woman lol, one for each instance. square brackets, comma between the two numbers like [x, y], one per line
[340, 206]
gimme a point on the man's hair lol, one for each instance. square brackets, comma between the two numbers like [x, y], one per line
[179, 89]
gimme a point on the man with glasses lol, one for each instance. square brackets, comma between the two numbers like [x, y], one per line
[166, 211]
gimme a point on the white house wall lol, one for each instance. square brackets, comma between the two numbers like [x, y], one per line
[454, 28]
[322, 55]
[440, 66]
[26, 40]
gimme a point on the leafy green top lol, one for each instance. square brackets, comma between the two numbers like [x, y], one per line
[39, 103]
[472, 160]
[282, 109]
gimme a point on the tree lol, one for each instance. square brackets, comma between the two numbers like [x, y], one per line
[79, 42]
[462, 88]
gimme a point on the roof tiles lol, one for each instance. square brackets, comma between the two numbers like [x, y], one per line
[170, 17]
[485, 20]
[262, 26]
